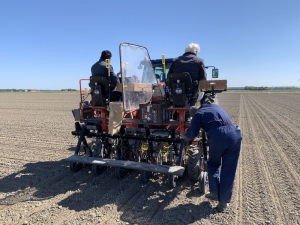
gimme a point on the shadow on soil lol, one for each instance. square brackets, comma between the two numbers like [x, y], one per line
[139, 203]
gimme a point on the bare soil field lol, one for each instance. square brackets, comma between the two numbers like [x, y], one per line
[37, 186]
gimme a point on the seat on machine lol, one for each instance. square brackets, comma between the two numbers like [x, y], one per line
[100, 91]
[181, 86]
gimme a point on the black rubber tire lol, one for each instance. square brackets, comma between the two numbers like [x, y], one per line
[75, 166]
[97, 169]
[145, 176]
[120, 172]
[97, 150]
[203, 183]
[136, 153]
[172, 180]
[193, 165]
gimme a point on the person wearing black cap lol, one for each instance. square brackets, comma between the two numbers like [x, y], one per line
[224, 141]
[99, 69]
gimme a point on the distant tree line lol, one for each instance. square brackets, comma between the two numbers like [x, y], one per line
[69, 89]
[255, 88]
[12, 90]
[29, 90]
[284, 88]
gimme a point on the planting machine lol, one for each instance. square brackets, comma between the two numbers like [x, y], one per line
[134, 128]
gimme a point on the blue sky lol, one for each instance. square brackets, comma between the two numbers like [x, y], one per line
[52, 44]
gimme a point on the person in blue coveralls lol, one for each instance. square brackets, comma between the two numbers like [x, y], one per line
[224, 141]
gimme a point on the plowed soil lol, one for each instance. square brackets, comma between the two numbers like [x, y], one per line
[37, 186]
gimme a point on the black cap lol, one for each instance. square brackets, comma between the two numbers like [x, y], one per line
[106, 55]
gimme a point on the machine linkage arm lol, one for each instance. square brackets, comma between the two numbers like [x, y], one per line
[81, 139]
[127, 136]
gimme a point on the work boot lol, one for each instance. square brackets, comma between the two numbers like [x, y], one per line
[222, 207]
[212, 196]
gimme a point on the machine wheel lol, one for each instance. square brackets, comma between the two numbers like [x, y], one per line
[193, 165]
[97, 169]
[75, 166]
[145, 176]
[203, 183]
[97, 150]
[172, 180]
[120, 172]
[136, 149]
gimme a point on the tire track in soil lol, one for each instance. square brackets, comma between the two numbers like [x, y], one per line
[239, 181]
[185, 205]
[165, 197]
[132, 200]
[28, 193]
[256, 205]
[281, 219]
[123, 188]
[283, 102]
[46, 152]
[292, 116]
[6, 161]
[282, 174]
[285, 157]
[172, 198]
[133, 203]
[16, 141]
[56, 183]
[282, 113]
[262, 110]
[104, 198]
[67, 201]
[37, 133]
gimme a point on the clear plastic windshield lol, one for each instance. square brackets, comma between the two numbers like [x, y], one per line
[138, 76]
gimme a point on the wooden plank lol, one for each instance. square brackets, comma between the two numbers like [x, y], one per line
[174, 170]
[119, 87]
[138, 87]
[207, 84]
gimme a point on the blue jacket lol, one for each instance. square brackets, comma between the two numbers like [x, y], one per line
[99, 69]
[209, 117]
[190, 63]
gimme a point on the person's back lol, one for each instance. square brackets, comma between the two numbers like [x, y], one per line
[213, 116]
[99, 69]
[189, 62]
[208, 117]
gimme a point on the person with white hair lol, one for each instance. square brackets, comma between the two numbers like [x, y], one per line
[189, 62]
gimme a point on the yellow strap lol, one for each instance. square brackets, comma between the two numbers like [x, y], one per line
[107, 65]
[163, 62]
